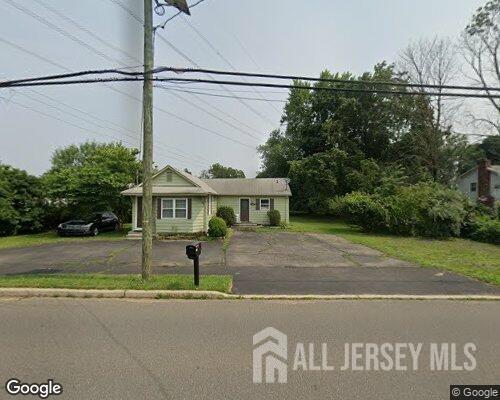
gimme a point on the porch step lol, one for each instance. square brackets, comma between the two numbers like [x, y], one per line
[134, 235]
[245, 226]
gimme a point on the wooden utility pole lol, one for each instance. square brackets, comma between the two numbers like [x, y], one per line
[147, 145]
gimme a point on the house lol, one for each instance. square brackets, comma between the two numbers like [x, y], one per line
[481, 183]
[184, 203]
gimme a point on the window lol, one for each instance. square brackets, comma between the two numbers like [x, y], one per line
[209, 205]
[473, 186]
[265, 204]
[169, 176]
[173, 208]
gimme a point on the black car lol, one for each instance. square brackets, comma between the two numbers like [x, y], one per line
[92, 225]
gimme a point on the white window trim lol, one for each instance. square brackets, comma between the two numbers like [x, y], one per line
[210, 201]
[174, 207]
[268, 202]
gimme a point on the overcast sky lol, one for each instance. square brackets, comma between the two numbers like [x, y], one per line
[278, 36]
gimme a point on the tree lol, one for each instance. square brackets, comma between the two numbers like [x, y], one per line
[335, 142]
[489, 148]
[220, 171]
[22, 203]
[433, 62]
[316, 179]
[90, 177]
[480, 49]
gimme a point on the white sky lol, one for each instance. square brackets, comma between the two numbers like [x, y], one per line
[278, 36]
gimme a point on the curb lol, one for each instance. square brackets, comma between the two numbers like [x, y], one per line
[112, 294]
[213, 295]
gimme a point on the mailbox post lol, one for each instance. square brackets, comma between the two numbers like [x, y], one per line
[193, 252]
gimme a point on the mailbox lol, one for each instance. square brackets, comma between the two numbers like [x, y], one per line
[193, 251]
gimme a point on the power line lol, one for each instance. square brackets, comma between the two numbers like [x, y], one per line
[42, 58]
[180, 53]
[221, 56]
[71, 21]
[259, 84]
[211, 114]
[138, 75]
[99, 125]
[220, 95]
[77, 40]
[329, 80]
[59, 30]
[217, 109]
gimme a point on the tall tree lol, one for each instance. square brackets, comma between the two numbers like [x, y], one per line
[433, 62]
[220, 171]
[480, 48]
[22, 202]
[90, 177]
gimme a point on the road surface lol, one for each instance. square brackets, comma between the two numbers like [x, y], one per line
[174, 349]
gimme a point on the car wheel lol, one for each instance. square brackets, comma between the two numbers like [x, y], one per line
[95, 231]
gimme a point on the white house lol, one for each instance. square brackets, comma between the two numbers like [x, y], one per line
[481, 183]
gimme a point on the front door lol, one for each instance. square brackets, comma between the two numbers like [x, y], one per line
[139, 212]
[244, 210]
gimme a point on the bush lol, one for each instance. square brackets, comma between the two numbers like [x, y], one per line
[363, 210]
[274, 217]
[217, 227]
[485, 229]
[425, 209]
[227, 214]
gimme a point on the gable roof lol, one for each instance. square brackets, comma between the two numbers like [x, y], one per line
[199, 187]
[223, 187]
[250, 186]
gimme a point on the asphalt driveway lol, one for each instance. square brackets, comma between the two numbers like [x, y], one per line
[260, 263]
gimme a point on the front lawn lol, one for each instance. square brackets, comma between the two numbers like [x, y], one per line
[36, 239]
[220, 283]
[474, 259]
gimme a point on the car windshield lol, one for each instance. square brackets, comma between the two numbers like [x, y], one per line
[92, 218]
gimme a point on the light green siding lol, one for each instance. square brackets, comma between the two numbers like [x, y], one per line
[177, 180]
[195, 224]
[257, 216]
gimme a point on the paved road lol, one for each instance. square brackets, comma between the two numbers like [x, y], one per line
[117, 349]
[260, 263]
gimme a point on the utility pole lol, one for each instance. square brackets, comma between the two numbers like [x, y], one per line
[147, 146]
[147, 115]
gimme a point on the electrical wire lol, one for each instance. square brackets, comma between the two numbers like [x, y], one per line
[221, 56]
[72, 37]
[48, 61]
[187, 58]
[259, 84]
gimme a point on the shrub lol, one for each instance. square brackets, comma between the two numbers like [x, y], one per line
[485, 229]
[425, 209]
[227, 214]
[274, 217]
[217, 227]
[363, 210]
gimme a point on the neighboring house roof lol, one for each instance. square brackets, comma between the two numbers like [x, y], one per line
[250, 186]
[223, 187]
[495, 169]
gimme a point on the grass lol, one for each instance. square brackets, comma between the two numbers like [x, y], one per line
[37, 239]
[466, 257]
[221, 283]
